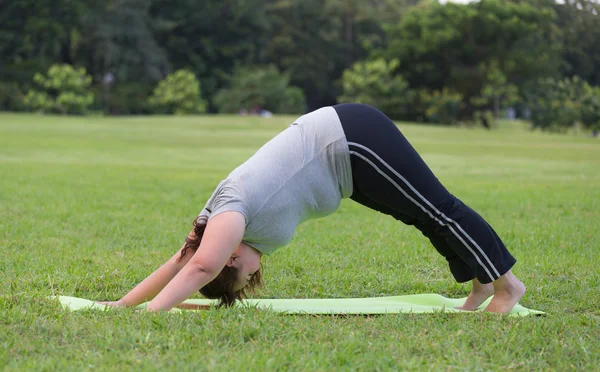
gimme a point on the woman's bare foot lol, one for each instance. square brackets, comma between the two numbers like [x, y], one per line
[508, 290]
[478, 295]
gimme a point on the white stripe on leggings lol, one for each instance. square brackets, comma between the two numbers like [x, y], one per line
[427, 211]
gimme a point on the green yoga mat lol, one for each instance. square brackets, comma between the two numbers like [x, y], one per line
[419, 303]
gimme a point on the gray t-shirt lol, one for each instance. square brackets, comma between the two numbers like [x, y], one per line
[301, 173]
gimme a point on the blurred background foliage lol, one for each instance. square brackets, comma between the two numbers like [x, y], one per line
[416, 60]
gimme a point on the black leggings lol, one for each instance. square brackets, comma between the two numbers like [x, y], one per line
[389, 176]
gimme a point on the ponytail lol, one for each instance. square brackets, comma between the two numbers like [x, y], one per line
[193, 240]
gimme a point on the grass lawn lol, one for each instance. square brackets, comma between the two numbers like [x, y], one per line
[90, 206]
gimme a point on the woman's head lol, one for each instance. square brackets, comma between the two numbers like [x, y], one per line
[241, 274]
[231, 284]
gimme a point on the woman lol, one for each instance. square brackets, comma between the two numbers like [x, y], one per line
[347, 150]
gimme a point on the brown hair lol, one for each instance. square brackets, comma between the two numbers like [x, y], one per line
[221, 287]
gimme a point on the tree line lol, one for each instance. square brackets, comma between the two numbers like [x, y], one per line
[416, 60]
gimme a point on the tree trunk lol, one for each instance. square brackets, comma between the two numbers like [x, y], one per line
[348, 34]
[496, 107]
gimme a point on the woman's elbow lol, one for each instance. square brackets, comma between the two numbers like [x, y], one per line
[199, 268]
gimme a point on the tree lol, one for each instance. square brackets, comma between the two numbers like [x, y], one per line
[580, 22]
[315, 40]
[113, 36]
[455, 46]
[37, 34]
[212, 39]
[497, 93]
[120, 40]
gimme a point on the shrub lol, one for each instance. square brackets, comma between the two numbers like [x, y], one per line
[260, 87]
[442, 106]
[560, 104]
[375, 83]
[179, 93]
[65, 89]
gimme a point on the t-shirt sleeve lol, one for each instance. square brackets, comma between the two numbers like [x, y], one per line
[226, 198]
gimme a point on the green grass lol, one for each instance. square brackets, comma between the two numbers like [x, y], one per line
[90, 206]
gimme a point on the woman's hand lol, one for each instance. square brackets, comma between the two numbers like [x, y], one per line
[154, 283]
[221, 238]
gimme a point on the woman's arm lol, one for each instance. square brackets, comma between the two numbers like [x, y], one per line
[221, 238]
[154, 283]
